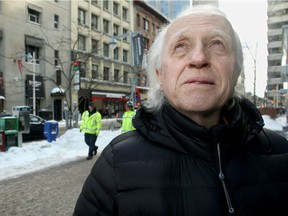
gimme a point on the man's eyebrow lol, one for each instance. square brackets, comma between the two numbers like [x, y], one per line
[179, 36]
[217, 32]
[222, 33]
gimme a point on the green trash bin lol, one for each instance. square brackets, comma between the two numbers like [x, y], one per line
[9, 127]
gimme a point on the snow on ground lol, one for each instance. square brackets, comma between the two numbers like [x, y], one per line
[37, 155]
[276, 125]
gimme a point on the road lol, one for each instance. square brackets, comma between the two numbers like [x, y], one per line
[50, 192]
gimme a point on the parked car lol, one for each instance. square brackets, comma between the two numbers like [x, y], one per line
[36, 128]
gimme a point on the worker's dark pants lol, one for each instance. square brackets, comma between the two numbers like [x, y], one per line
[90, 140]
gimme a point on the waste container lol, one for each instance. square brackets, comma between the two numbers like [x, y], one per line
[8, 131]
[2, 141]
[51, 130]
[7, 141]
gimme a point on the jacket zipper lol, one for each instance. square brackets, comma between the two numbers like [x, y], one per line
[222, 177]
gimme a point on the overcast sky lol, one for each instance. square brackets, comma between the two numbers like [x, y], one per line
[249, 18]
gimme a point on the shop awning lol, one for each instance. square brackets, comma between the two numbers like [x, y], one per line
[57, 91]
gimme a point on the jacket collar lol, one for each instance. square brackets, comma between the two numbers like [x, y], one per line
[172, 129]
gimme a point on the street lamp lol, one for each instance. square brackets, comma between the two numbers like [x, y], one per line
[32, 59]
[254, 57]
[137, 52]
[113, 43]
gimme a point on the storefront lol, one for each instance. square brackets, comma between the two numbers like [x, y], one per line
[109, 104]
[141, 95]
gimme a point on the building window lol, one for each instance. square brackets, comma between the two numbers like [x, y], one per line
[106, 26]
[56, 57]
[94, 22]
[106, 73]
[124, 13]
[29, 50]
[115, 30]
[138, 20]
[125, 77]
[125, 31]
[95, 71]
[95, 2]
[145, 42]
[116, 53]
[145, 24]
[81, 43]
[116, 75]
[56, 21]
[58, 77]
[105, 50]
[82, 69]
[115, 8]
[125, 56]
[106, 4]
[94, 47]
[34, 16]
[81, 17]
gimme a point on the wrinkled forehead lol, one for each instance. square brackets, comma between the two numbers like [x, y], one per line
[199, 22]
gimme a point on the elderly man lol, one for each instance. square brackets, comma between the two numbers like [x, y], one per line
[198, 148]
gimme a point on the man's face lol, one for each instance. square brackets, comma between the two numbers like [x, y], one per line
[91, 108]
[198, 62]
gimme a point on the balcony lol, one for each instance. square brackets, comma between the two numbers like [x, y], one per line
[274, 44]
[274, 32]
[277, 19]
[274, 69]
[275, 81]
[273, 57]
[278, 6]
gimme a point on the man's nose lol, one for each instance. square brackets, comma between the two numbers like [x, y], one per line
[198, 57]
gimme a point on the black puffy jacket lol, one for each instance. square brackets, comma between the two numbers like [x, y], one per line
[172, 166]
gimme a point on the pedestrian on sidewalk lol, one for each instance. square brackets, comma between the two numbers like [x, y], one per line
[199, 148]
[127, 117]
[91, 125]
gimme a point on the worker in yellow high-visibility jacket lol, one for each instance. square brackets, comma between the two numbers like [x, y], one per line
[127, 117]
[91, 125]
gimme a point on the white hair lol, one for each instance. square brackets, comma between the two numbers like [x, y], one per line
[156, 97]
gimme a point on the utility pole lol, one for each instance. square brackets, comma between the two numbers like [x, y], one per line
[33, 84]
[254, 57]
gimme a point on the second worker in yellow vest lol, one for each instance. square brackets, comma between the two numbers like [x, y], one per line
[127, 117]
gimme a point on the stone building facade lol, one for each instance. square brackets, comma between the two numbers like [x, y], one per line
[64, 49]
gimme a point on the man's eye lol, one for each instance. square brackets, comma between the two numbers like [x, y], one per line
[218, 44]
[180, 46]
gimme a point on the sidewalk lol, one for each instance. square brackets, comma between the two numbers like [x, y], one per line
[52, 191]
